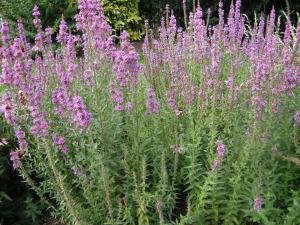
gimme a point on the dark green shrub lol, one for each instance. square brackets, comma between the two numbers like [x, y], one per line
[124, 15]
[17, 204]
[51, 10]
[121, 14]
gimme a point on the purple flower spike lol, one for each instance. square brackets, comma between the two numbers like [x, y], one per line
[220, 149]
[119, 108]
[159, 205]
[81, 116]
[36, 12]
[15, 159]
[5, 32]
[20, 134]
[60, 142]
[128, 106]
[257, 205]
[297, 118]
[152, 104]
[62, 36]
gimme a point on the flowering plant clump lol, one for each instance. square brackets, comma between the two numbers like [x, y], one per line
[95, 130]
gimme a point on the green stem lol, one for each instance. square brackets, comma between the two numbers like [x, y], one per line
[60, 183]
[106, 191]
[37, 190]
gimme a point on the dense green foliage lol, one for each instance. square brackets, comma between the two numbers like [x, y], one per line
[124, 15]
[155, 9]
[121, 14]
[52, 12]
[128, 14]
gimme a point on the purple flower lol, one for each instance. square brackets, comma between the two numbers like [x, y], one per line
[36, 22]
[96, 31]
[61, 101]
[257, 205]
[258, 106]
[220, 149]
[126, 65]
[21, 139]
[20, 134]
[75, 170]
[150, 93]
[58, 139]
[229, 82]
[159, 205]
[216, 164]
[152, 104]
[119, 97]
[297, 118]
[48, 34]
[80, 114]
[5, 28]
[172, 25]
[171, 99]
[15, 159]
[88, 77]
[36, 12]
[5, 33]
[62, 36]
[40, 124]
[60, 142]
[7, 73]
[6, 108]
[128, 106]
[112, 88]
[119, 108]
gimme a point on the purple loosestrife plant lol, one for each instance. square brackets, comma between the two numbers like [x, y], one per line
[61, 101]
[80, 114]
[21, 139]
[221, 150]
[62, 36]
[152, 104]
[126, 68]
[7, 109]
[15, 159]
[60, 142]
[96, 128]
[257, 205]
[297, 118]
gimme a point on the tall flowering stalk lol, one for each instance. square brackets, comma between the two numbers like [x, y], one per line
[257, 205]
[126, 68]
[221, 150]
[152, 104]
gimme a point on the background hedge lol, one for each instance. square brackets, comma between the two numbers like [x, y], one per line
[129, 14]
[154, 9]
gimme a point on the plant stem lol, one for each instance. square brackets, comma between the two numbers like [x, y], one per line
[59, 181]
[37, 190]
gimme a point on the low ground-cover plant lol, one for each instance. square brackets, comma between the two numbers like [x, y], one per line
[205, 131]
